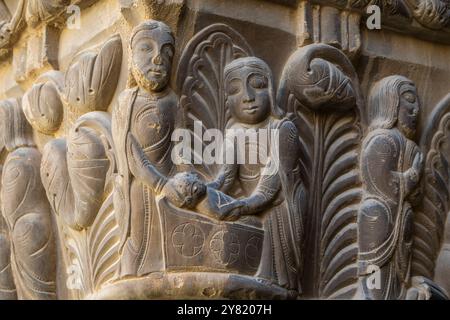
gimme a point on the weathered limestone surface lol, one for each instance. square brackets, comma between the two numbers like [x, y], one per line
[95, 206]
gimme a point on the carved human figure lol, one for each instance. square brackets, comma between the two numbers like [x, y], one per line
[185, 190]
[391, 165]
[272, 195]
[25, 208]
[147, 111]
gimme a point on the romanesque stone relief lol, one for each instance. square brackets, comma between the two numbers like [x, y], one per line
[147, 111]
[433, 14]
[7, 286]
[77, 169]
[430, 250]
[320, 88]
[118, 194]
[391, 165]
[44, 10]
[26, 212]
[10, 26]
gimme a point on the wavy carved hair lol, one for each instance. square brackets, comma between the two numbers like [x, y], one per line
[257, 63]
[15, 130]
[384, 102]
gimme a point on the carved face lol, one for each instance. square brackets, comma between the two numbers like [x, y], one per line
[152, 59]
[247, 95]
[408, 110]
[185, 190]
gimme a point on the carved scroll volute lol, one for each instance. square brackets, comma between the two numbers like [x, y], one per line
[200, 74]
[319, 86]
[91, 80]
[430, 251]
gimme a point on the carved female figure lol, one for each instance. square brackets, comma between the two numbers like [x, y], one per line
[25, 208]
[391, 165]
[148, 112]
[249, 96]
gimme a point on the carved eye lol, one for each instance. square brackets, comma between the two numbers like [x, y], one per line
[145, 47]
[258, 82]
[167, 50]
[234, 86]
[409, 96]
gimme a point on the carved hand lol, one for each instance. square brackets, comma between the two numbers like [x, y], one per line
[234, 211]
[418, 163]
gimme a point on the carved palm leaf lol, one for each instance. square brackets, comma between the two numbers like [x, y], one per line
[200, 78]
[78, 180]
[103, 244]
[321, 89]
[429, 221]
[99, 239]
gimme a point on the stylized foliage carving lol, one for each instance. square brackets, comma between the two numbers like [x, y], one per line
[25, 210]
[433, 14]
[44, 10]
[42, 103]
[320, 87]
[200, 76]
[430, 219]
[91, 79]
[7, 286]
[77, 175]
[10, 26]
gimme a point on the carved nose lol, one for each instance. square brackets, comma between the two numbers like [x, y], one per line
[248, 97]
[157, 59]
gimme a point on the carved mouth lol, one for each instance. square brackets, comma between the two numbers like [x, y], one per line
[251, 109]
[155, 73]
